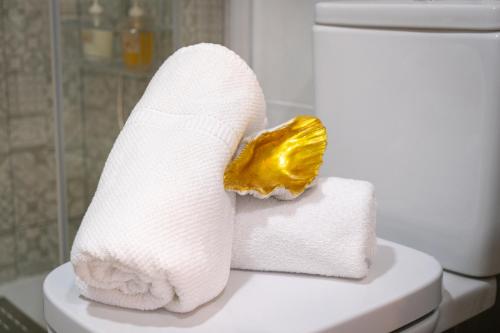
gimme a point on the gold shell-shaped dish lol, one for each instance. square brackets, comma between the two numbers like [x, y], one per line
[280, 162]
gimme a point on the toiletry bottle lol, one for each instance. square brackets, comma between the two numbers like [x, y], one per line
[137, 39]
[97, 34]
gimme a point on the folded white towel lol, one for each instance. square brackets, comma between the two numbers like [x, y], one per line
[158, 232]
[329, 230]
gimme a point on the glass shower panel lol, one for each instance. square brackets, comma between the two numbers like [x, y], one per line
[99, 95]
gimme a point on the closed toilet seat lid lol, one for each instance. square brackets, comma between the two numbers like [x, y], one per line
[402, 286]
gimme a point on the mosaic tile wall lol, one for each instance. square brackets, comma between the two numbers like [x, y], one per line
[28, 203]
[28, 215]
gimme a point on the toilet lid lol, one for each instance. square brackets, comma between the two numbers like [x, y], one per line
[419, 14]
[402, 286]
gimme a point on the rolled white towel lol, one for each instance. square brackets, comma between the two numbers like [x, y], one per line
[158, 231]
[329, 230]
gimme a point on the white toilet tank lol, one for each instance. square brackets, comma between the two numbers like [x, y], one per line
[410, 94]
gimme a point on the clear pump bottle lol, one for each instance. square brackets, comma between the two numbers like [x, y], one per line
[97, 34]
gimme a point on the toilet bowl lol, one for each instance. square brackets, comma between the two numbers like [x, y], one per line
[408, 92]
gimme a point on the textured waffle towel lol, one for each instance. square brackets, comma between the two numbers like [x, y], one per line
[158, 231]
[329, 230]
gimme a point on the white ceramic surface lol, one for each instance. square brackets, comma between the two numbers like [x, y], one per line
[417, 113]
[426, 324]
[402, 286]
[26, 294]
[463, 298]
[437, 14]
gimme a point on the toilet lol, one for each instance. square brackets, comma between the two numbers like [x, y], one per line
[408, 91]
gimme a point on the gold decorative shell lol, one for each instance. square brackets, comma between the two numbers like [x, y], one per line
[280, 162]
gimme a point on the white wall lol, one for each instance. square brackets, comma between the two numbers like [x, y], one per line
[275, 36]
[282, 55]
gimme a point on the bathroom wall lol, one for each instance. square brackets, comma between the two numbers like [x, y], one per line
[281, 54]
[28, 237]
[28, 201]
[281, 44]
[28, 206]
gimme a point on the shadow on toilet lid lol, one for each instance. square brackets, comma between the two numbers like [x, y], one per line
[403, 285]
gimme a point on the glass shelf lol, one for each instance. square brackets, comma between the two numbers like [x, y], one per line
[117, 68]
[75, 23]
[161, 14]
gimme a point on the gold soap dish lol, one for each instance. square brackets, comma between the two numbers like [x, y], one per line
[281, 162]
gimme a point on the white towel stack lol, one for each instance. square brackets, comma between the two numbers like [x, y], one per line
[329, 230]
[158, 232]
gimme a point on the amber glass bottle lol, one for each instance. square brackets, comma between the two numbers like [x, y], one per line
[137, 40]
